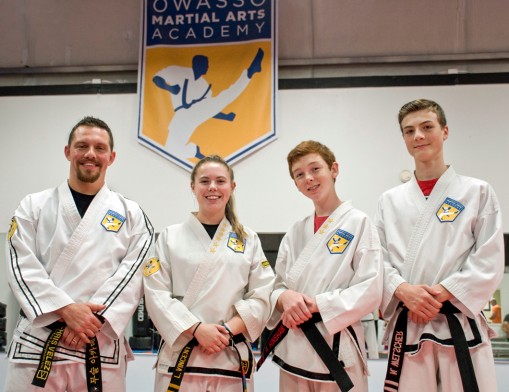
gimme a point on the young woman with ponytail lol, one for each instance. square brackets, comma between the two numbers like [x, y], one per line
[207, 291]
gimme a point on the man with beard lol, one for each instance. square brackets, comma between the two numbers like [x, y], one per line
[74, 258]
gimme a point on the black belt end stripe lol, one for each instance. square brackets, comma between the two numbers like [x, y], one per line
[92, 359]
[185, 354]
[463, 358]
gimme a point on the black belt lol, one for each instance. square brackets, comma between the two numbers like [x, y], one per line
[398, 343]
[92, 358]
[313, 335]
[183, 359]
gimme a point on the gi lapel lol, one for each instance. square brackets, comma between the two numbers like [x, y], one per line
[430, 207]
[82, 227]
[318, 240]
[211, 258]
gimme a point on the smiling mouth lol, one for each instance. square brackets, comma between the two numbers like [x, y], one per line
[314, 187]
[212, 197]
[89, 164]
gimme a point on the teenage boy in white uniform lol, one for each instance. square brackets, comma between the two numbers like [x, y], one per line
[444, 258]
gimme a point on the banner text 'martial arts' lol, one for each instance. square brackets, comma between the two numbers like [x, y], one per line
[194, 22]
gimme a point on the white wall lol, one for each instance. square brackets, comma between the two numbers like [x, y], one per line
[359, 124]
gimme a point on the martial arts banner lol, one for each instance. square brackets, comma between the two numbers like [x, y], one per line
[207, 78]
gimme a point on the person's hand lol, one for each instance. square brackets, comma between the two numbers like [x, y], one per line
[81, 320]
[212, 338]
[420, 301]
[294, 307]
[416, 319]
[441, 293]
[311, 303]
[72, 340]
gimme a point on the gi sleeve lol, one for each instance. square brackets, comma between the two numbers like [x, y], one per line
[170, 316]
[254, 308]
[35, 292]
[474, 283]
[280, 281]
[392, 276]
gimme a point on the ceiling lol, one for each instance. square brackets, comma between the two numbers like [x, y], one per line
[47, 40]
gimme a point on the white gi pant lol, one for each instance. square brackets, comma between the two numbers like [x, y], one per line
[70, 377]
[435, 362]
[290, 383]
[369, 329]
[194, 383]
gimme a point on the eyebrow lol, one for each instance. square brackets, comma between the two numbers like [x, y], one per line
[207, 177]
[309, 164]
[422, 123]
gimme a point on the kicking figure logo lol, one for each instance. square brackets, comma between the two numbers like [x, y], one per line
[234, 243]
[112, 221]
[193, 102]
[449, 210]
[338, 243]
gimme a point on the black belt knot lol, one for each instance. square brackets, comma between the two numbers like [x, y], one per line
[328, 356]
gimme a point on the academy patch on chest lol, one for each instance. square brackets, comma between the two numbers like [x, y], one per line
[112, 221]
[449, 210]
[338, 243]
[236, 245]
[152, 266]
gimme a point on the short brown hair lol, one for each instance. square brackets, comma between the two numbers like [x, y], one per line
[310, 147]
[422, 104]
[90, 121]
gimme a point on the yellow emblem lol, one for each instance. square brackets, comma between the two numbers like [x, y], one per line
[339, 241]
[152, 266]
[449, 210]
[112, 221]
[245, 366]
[234, 244]
[265, 264]
[13, 228]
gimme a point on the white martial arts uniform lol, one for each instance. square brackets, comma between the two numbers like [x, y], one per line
[193, 105]
[368, 325]
[199, 279]
[341, 267]
[454, 238]
[56, 258]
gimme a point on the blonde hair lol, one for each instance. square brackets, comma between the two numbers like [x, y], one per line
[230, 213]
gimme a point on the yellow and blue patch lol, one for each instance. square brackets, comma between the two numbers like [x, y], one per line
[449, 210]
[12, 228]
[338, 243]
[236, 245]
[153, 265]
[265, 264]
[112, 221]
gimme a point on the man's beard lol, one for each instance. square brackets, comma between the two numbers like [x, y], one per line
[85, 176]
